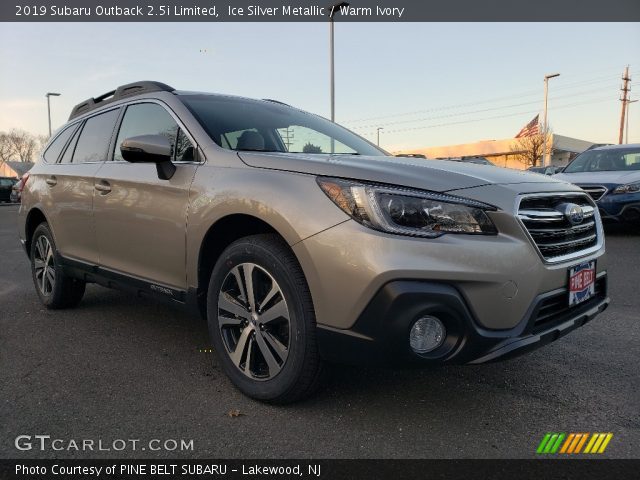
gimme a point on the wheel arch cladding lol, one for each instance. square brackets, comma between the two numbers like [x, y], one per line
[219, 236]
[34, 218]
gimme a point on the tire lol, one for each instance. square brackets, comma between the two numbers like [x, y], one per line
[266, 342]
[55, 289]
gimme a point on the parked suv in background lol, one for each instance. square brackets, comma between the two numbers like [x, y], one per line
[301, 242]
[611, 175]
[6, 185]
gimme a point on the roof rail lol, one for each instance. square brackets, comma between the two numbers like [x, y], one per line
[275, 101]
[117, 94]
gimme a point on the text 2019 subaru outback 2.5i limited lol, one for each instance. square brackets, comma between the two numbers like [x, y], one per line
[303, 243]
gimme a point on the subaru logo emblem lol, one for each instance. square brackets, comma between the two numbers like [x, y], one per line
[572, 212]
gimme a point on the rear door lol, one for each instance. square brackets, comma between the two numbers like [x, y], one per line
[70, 183]
[140, 219]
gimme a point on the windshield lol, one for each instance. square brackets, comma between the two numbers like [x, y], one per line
[618, 159]
[263, 126]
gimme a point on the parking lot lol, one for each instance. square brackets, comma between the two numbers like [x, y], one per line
[120, 367]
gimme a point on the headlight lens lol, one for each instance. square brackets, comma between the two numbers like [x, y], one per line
[628, 188]
[406, 211]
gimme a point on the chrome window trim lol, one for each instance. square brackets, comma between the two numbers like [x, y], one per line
[570, 256]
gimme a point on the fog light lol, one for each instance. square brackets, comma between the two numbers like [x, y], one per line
[427, 334]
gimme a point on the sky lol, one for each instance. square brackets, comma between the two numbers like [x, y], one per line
[425, 84]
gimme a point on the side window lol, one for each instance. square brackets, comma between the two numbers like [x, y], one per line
[68, 153]
[184, 149]
[52, 153]
[148, 119]
[93, 143]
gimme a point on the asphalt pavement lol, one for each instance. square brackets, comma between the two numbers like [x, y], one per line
[123, 368]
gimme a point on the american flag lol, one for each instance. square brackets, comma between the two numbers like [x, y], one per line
[530, 129]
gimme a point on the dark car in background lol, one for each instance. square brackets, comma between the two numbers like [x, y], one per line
[611, 176]
[6, 185]
[16, 191]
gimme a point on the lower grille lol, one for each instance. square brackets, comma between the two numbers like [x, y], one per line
[555, 308]
[595, 191]
[555, 235]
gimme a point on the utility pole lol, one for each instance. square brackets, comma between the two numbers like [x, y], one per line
[332, 76]
[545, 155]
[629, 102]
[625, 90]
[287, 137]
[378, 129]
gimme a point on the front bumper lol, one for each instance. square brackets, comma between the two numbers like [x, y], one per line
[623, 211]
[380, 335]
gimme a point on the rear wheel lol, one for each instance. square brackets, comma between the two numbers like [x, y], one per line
[261, 320]
[55, 289]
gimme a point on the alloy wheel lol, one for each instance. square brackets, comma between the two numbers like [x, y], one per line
[254, 321]
[44, 265]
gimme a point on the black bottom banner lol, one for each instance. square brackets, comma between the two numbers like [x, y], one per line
[542, 469]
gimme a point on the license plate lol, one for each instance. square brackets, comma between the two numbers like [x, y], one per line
[582, 282]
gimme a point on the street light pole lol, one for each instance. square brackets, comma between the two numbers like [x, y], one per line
[49, 95]
[627, 127]
[335, 8]
[545, 155]
[379, 128]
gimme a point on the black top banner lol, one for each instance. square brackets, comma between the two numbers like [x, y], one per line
[320, 11]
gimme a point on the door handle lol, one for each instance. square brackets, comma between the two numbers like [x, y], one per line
[51, 181]
[103, 186]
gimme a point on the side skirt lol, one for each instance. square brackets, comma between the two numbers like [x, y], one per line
[120, 281]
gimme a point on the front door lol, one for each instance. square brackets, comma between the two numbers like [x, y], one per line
[141, 220]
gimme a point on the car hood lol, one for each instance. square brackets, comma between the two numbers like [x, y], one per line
[600, 178]
[435, 175]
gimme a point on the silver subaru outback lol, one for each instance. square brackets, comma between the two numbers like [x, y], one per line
[302, 243]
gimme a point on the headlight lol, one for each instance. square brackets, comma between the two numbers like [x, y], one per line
[406, 211]
[628, 188]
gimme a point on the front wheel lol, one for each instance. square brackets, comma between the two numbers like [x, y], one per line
[261, 320]
[55, 289]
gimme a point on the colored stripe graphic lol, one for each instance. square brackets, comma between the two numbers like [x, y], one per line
[605, 443]
[556, 446]
[573, 443]
[581, 443]
[543, 443]
[567, 443]
[598, 442]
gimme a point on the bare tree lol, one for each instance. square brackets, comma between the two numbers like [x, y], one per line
[6, 147]
[530, 149]
[19, 145]
[41, 142]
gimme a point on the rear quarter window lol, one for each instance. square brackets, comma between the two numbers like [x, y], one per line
[54, 149]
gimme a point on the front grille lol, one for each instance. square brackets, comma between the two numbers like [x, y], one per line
[555, 309]
[553, 234]
[595, 191]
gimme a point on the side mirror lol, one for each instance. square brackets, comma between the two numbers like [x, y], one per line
[150, 149]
